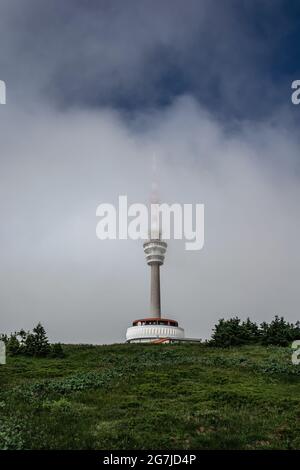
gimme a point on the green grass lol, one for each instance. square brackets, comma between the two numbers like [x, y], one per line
[152, 397]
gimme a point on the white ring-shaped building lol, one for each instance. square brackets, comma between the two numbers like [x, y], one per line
[152, 329]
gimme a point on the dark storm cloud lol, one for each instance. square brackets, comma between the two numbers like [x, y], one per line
[140, 53]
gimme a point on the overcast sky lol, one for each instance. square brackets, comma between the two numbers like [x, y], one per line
[93, 89]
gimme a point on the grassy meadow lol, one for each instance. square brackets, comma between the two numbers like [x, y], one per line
[187, 396]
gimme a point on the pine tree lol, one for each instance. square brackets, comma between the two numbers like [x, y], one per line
[37, 342]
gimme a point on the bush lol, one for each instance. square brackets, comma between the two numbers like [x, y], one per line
[10, 435]
[13, 346]
[57, 350]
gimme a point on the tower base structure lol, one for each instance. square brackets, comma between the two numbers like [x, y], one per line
[154, 330]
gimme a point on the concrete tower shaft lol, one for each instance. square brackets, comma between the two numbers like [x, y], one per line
[155, 307]
[155, 254]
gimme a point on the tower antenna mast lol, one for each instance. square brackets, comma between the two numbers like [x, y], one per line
[154, 328]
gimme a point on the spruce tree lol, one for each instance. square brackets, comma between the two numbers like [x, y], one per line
[39, 341]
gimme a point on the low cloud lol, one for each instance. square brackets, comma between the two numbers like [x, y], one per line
[56, 167]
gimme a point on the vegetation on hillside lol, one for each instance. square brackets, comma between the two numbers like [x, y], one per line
[181, 396]
[238, 390]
